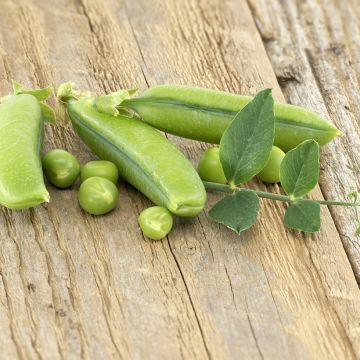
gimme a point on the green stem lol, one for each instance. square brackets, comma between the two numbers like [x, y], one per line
[333, 202]
[217, 187]
[272, 196]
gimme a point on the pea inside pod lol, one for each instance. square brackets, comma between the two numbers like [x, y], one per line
[204, 114]
[22, 117]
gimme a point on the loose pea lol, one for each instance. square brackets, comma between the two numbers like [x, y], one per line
[102, 168]
[271, 172]
[155, 222]
[210, 168]
[61, 168]
[98, 195]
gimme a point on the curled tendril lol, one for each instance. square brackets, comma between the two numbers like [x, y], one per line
[354, 196]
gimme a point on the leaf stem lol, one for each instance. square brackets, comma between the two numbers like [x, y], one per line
[272, 196]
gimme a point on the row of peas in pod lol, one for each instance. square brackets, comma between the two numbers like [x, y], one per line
[98, 193]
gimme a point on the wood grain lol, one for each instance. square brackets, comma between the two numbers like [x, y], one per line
[314, 47]
[76, 286]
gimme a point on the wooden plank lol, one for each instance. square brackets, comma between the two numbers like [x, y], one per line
[75, 286]
[98, 274]
[314, 48]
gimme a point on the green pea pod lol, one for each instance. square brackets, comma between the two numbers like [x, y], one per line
[21, 135]
[144, 157]
[203, 114]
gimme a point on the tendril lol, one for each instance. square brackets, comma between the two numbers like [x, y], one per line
[354, 196]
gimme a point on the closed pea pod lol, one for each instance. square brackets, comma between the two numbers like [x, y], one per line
[143, 156]
[203, 114]
[22, 117]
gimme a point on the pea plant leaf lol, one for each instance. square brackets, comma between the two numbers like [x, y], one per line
[303, 215]
[237, 211]
[246, 143]
[299, 170]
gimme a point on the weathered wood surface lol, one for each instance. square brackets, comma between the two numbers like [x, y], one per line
[314, 47]
[75, 286]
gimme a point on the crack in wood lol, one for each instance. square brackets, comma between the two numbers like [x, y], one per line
[191, 301]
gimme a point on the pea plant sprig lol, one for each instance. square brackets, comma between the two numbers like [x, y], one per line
[244, 149]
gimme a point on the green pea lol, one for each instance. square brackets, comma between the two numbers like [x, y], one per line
[102, 168]
[155, 222]
[210, 168]
[271, 172]
[61, 168]
[98, 195]
[21, 135]
[204, 114]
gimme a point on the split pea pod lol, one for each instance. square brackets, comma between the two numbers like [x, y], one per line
[144, 157]
[22, 117]
[203, 114]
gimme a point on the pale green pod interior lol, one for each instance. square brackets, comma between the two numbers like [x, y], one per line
[21, 132]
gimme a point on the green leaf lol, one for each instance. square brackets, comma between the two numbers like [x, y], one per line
[299, 170]
[237, 211]
[246, 143]
[47, 113]
[108, 103]
[303, 215]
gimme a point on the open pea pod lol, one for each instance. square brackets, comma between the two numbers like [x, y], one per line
[145, 158]
[22, 117]
[204, 114]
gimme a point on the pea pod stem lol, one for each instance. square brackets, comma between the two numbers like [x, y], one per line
[277, 197]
